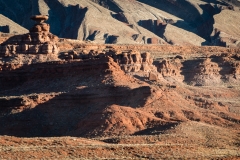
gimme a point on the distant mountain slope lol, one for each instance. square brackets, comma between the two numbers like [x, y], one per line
[180, 22]
[7, 25]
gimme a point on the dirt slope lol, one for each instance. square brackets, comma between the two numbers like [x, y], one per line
[7, 25]
[190, 140]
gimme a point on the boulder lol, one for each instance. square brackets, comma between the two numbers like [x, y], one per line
[153, 76]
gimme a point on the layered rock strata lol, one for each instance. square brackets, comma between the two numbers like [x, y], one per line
[135, 61]
[132, 61]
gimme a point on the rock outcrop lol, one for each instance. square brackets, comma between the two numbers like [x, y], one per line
[171, 68]
[38, 41]
[134, 61]
[206, 73]
[236, 70]
[129, 61]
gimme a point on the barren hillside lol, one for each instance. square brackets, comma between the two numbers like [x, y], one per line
[8, 26]
[187, 22]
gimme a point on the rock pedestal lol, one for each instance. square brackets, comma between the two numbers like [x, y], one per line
[38, 41]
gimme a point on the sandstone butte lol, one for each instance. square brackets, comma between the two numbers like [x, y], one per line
[64, 98]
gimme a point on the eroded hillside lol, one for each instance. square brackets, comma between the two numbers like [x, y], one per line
[192, 22]
[115, 89]
[130, 102]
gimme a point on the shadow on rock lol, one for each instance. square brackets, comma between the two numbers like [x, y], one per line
[158, 129]
[61, 115]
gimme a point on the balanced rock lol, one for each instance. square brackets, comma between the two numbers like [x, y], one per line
[38, 41]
